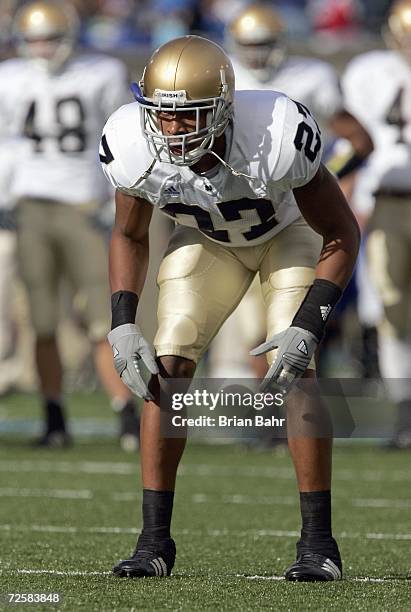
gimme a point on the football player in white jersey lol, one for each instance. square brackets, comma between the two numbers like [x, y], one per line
[241, 174]
[377, 87]
[257, 38]
[57, 103]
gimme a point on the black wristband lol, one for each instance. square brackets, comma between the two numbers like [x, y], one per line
[317, 306]
[352, 164]
[123, 308]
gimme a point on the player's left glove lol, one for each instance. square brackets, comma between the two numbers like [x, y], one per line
[296, 347]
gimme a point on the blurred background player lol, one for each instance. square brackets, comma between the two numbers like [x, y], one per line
[58, 102]
[11, 149]
[377, 86]
[257, 39]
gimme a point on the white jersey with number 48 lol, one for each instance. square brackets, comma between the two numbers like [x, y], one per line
[377, 88]
[60, 116]
[274, 141]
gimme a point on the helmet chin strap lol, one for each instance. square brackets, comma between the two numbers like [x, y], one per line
[228, 148]
[231, 169]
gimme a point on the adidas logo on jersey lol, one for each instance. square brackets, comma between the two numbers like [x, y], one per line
[172, 191]
[325, 311]
[302, 347]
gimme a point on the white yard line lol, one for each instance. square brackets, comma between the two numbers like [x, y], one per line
[355, 579]
[278, 533]
[74, 573]
[266, 500]
[197, 498]
[51, 493]
[60, 572]
[124, 468]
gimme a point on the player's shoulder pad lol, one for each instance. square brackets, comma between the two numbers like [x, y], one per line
[9, 68]
[310, 63]
[301, 146]
[123, 152]
[260, 117]
[98, 61]
[368, 62]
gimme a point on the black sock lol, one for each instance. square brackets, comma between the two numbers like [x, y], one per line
[316, 534]
[316, 515]
[157, 511]
[54, 416]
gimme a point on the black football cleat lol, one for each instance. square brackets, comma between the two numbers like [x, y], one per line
[314, 565]
[150, 559]
[56, 438]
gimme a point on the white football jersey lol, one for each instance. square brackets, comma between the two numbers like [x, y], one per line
[377, 88]
[61, 116]
[12, 152]
[310, 81]
[274, 140]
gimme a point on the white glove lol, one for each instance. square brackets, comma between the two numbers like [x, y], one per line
[296, 347]
[131, 351]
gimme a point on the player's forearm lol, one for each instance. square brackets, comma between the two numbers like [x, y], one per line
[338, 256]
[128, 263]
[346, 126]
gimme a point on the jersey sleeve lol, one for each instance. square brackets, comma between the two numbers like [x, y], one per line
[116, 90]
[109, 154]
[123, 155]
[355, 87]
[301, 148]
[328, 99]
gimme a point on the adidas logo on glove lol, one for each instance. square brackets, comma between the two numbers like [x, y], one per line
[302, 347]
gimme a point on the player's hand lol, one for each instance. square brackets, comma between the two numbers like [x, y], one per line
[296, 347]
[132, 353]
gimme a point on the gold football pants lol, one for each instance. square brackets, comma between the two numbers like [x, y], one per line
[201, 283]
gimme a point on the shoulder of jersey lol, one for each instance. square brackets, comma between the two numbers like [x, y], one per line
[265, 124]
[9, 68]
[309, 64]
[124, 146]
[96, 61]
[371, 61]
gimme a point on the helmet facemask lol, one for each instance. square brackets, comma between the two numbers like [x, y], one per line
[210, 117]
[261, 59]
[48, 53]
[257, 37]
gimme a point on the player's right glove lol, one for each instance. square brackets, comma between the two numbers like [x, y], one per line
[132, 353]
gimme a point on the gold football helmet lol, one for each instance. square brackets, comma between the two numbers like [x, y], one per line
[398, 33]
[46, 31]
[257, 36]
[190, 75]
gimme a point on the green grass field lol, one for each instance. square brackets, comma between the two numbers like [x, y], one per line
[67, 516]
